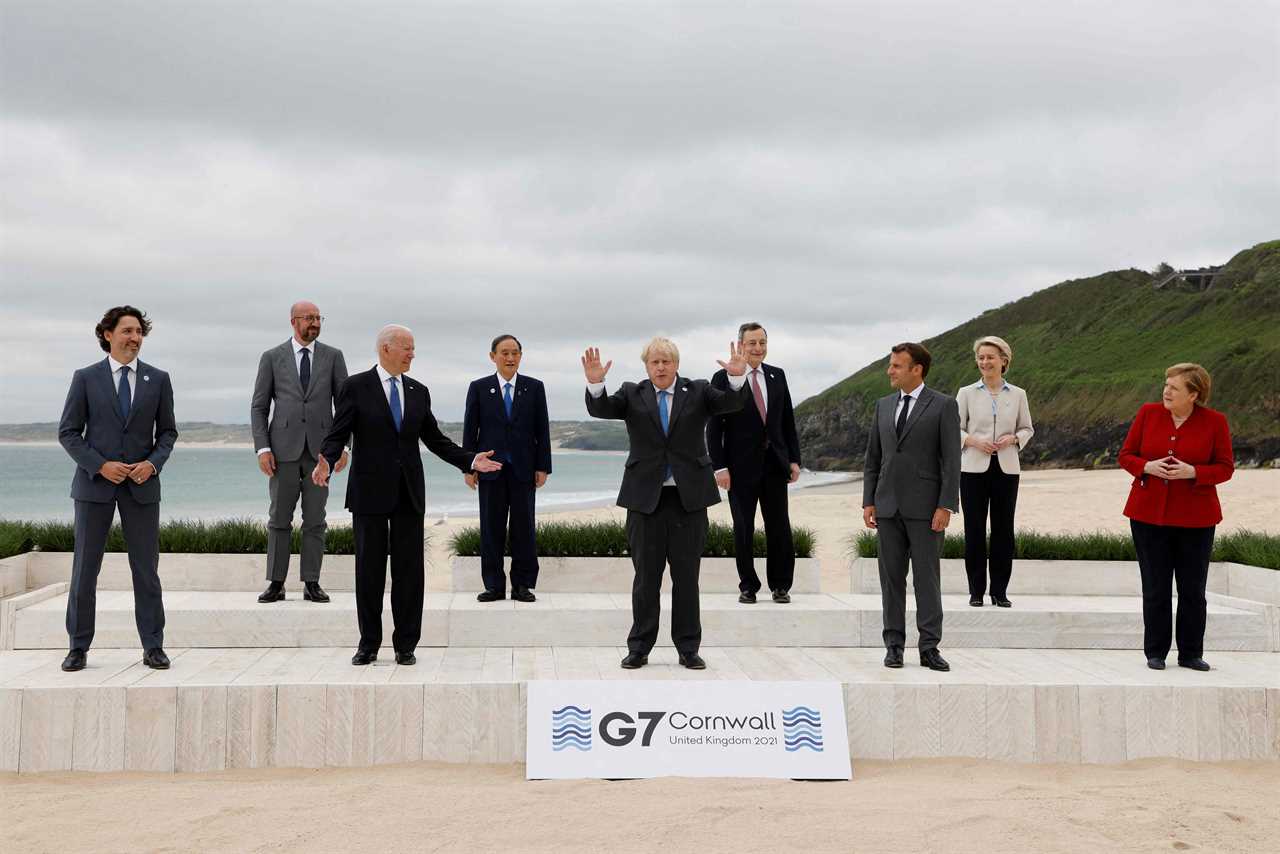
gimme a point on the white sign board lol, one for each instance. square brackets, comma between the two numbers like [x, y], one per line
[627, 729]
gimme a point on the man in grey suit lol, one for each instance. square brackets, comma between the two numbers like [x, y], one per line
[118, 426]
[910, 488]
[303, 378]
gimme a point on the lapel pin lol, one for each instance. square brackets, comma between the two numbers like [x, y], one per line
[146, 378]
[493, 391]
[772, 377]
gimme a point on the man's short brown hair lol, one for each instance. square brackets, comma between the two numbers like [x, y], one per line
[111, 320]
[919, 355]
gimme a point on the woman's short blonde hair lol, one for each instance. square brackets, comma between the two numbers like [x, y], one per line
[1001, 345]
[661, 347]
[1196, 378]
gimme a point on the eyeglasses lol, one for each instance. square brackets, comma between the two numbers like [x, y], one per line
[309, 318]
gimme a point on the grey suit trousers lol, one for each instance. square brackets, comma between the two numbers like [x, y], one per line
[902, 541]
[141, 525]
[293, 478]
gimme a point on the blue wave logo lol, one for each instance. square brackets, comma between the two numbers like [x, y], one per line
[571, 727]
[802, 728]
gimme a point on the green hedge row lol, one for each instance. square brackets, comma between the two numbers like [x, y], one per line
[1248, 547]
[226, 536]
[609, 539]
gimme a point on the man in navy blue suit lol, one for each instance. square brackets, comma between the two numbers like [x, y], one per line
[507, 412]
[118, 426]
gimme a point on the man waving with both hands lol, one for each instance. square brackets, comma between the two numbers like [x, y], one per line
[667, 484]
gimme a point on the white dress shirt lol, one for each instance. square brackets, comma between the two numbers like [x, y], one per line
[915, 401]
[758, 374]
[133, 377]
[297, 355]
[502, 382]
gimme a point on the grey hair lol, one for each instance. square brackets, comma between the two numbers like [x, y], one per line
[390, 333]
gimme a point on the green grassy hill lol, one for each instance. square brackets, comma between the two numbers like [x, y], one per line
[1089, 352]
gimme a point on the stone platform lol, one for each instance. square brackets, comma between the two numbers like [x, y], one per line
[248, 708]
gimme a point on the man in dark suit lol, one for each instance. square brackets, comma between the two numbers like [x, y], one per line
[385, 413]
[118, 426]
[507, 411]
[910, 488]
[667, 485]
[756, 454]
[302, 377]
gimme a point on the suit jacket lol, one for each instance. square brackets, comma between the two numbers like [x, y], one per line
[523, 441]
[92, 431]
[380, 456]
[914, 475]
[1012, 416]
[300, 419]
[1203, 440]
[741, 442]
[683, 448]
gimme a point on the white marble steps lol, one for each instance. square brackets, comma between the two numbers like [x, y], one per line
[615, 574]
[220, 619]
[245, 708]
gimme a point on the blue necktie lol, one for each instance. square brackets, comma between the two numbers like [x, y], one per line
[396, 414]
[665, 417]
[506, 399]
[125, 397]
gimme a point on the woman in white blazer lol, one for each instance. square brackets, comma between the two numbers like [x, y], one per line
[995, 424]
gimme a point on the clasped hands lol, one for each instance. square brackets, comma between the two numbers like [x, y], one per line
[1170, 468]
[116, 472]
[991, 447]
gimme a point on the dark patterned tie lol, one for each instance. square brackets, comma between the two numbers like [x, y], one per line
[125, 396]
[304, 371]
[902, 416]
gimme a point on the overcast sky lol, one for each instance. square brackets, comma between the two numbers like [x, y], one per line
[850, 174]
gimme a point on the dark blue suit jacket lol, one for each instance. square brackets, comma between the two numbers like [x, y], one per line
[92, 431]
[523, 442]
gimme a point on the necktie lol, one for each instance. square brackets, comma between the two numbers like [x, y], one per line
[506, 399]
[125, 396]
[397, 415]
[665, 416]
[757, 394]
[902, 416]
[304, 370]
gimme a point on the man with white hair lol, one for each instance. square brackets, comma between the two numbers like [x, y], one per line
[385, 413]
[667, 485]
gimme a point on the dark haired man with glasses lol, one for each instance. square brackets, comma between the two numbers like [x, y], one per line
[118, 426]
[302, 378]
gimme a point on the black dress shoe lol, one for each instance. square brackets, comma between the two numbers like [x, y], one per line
[693, 661]
[365, 656]
[1194, 664]
[933, 660]
[313, 592]
[975, 601]
[273, 593]
[1155, 663]
[155, 659]
[491, 596]
[746, 597]
[523, 594]
[782, 597]
[1001, 602]
[634, 660]
[893, 657]
[406, 658]
[75, 660]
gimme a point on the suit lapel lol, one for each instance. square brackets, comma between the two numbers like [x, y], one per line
[517, 395]
[913, 416]
[104, 375]
[680, 393]
[382, 396]
[771, 385]
[649, 396]
[141, 388]
[410, 411]
[316, 360]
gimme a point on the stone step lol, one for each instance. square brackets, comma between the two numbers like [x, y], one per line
[614, 575]
[219, 709]
[221, 619]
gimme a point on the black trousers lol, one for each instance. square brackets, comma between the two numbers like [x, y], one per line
[770, 492]
[998, 492]
[398, 534]
[141, 525]
[673, 536]
[504, 498]
[1166, 553]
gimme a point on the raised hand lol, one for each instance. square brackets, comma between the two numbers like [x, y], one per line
[737, 364]
[320, 474]
[591, 365]
[482, 462]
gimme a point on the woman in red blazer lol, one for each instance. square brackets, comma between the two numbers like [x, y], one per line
[1177, 451]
